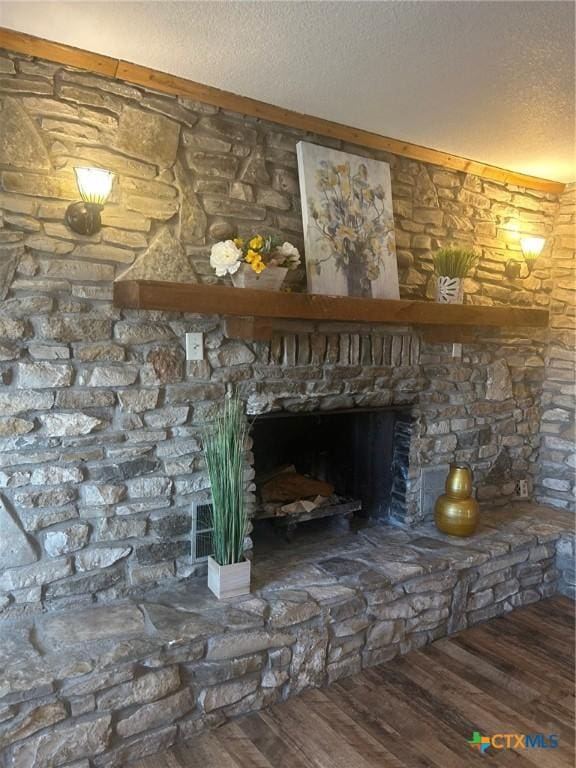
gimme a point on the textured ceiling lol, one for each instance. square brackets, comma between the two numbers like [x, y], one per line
[492, 81]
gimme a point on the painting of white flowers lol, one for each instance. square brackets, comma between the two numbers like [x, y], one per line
[348, 223]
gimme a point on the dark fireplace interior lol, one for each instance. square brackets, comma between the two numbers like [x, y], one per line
[357, 452]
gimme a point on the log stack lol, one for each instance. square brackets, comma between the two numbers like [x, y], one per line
[290, 497]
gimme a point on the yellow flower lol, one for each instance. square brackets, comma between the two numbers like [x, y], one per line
[255, 261]
[257, 242]
[238, 242]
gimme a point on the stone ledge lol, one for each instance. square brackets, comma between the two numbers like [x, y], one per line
[111, 683]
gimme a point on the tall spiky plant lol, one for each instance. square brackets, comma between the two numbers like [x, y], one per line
[453, 262]
[224, 442]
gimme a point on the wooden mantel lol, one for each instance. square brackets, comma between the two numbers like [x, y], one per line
[244, 302]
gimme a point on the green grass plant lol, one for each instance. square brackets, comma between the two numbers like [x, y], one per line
[453, 262]
[224, 442]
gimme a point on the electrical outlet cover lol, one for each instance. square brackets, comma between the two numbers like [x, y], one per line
[194, 346]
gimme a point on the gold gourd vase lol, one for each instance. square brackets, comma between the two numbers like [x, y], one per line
[456, 512]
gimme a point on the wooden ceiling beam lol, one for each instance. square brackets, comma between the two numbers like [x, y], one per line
[18, 42]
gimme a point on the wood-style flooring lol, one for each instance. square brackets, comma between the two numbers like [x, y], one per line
[511, 675]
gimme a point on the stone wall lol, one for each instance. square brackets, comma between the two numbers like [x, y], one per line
[566, 567]
[557, 459]
[190, 174]
[99, 412]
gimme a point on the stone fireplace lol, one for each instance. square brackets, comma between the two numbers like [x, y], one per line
[111, 648]
[100, 414]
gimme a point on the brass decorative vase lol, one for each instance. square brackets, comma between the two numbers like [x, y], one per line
[456, 512]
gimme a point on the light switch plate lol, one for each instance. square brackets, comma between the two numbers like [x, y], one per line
[194, 346]
[457, 351]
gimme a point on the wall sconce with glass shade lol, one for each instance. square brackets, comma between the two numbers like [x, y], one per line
[531, 249]
[94, 185]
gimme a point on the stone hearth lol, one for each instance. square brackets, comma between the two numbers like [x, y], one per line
[102, 686]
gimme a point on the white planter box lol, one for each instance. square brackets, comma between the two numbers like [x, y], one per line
[228, 580]
[269, 280]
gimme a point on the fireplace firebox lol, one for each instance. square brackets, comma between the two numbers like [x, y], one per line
[349, 463]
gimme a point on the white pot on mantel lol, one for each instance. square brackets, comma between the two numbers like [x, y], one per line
[270, 279]
[449, 290]
[228, 580]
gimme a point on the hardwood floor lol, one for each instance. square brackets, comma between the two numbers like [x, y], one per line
[511, 675]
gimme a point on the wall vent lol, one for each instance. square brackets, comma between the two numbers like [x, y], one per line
[202, 530]
[432, 486]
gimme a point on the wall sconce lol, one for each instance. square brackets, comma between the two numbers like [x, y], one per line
[531, 249]
[94, 185]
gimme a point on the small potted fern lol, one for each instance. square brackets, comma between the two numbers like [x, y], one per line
[224, 442]
[451, 265]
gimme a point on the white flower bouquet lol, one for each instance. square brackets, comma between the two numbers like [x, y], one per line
[259, 252]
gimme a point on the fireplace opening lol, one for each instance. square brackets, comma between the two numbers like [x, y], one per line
[321, 471]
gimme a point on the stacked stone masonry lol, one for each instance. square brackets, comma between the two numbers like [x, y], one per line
[557, 460]
[105, 685]
[100, 413]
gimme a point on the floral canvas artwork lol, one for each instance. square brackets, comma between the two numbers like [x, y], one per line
[348, 223]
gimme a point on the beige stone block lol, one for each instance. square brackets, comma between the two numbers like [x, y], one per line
[99, 252]
[429, 216]
[147, 136]
[77, 270]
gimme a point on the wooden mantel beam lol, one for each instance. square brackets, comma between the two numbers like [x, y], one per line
[135, 74]
[245, 302]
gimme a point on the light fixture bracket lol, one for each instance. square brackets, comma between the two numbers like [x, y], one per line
[513, 269]
[84, 218]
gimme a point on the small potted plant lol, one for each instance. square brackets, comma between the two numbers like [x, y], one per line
[261, 262]
[224, 443]
[451, 265]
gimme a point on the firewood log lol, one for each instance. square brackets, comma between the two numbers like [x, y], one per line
[290, 486]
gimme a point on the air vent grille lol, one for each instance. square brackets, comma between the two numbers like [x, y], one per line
[202, 531]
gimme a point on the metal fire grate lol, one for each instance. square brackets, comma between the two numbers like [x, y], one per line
[202, 530]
